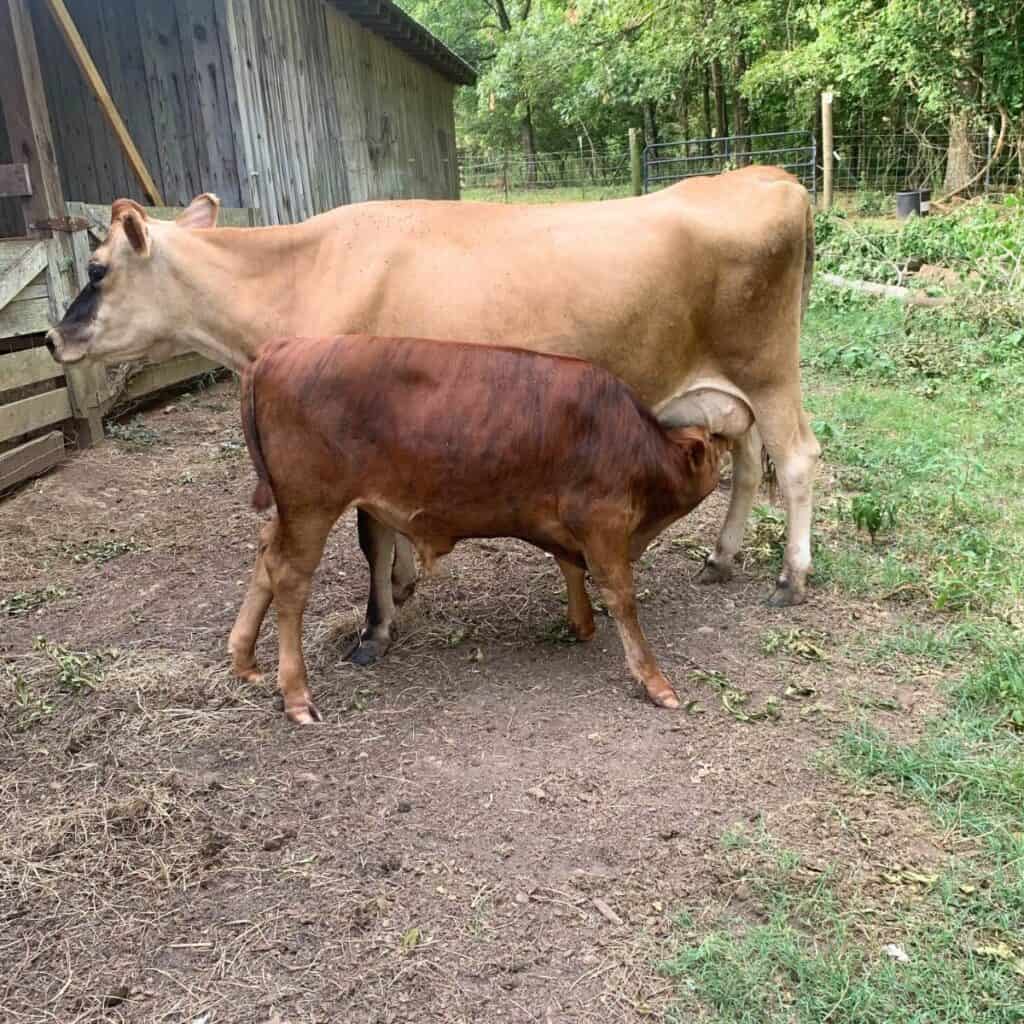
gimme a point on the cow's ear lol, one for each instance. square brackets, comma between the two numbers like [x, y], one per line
[200, 213]
[136, 230]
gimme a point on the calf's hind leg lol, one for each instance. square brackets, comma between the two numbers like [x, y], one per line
[580, 613]
[291, 559]
[246, 630]
[609, 565]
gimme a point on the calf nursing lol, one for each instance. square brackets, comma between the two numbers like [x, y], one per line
[444, 441]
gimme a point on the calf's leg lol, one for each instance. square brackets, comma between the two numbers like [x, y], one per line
[609, 565]
[580, 612]
[246, 630]
[291, 559]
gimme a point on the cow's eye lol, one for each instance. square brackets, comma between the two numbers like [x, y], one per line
[97, 271]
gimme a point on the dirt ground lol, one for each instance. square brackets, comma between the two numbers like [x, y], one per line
[489, 826]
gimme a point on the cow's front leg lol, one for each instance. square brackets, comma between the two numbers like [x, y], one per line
[246, 630]
[609, 565]
[377, 542]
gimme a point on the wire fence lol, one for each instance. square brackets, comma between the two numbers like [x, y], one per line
[881, 162]
[586, 172]
[668, 162]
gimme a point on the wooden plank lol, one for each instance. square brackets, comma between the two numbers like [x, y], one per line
[15, 181]
[163, 375]
[29, 317]
[110, 111]
[30, 459]
[27, 119]
[21, 271]
[18, 418]
[29, 366]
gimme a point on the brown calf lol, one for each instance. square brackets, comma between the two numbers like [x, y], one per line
[443, 441]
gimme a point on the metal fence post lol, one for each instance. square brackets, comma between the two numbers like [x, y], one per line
[639, 181]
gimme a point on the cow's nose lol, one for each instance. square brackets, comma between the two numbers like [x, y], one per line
[50, 346]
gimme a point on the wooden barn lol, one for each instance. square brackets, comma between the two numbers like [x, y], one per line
[284, 108]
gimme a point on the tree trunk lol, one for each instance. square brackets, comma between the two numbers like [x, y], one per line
[706, 86]
[740, 114]
[960, 166]
[684, 103]
[650, 123]
[718, 87]
[529, 147]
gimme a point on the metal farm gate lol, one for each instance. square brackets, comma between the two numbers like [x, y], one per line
[668, 162]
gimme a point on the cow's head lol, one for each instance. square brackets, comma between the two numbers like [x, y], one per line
[125, 311]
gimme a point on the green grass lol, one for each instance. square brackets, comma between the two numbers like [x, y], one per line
[921, 418]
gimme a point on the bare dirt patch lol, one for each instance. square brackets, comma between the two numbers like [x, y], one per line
[491, 825]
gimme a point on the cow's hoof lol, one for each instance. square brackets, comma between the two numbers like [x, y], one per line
[304, 714]
[367, 652]
[714, 572]
[786, 595]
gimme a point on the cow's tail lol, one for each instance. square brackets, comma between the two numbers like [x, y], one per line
[263, 496]
[805, 293]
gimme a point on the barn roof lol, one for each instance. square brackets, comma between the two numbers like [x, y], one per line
[390, 21]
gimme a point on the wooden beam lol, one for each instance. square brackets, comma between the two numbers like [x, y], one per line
[30, 459]
[17, 274]
[85, 62]
[31, 413]
[14, 181]
[29, 366]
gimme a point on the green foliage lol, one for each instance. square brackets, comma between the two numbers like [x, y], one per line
[98, 551]
[134, 433]
[23, 602]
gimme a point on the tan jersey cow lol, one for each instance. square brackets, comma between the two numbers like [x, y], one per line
[693, 296]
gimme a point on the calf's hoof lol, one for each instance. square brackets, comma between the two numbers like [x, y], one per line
[661, 694]
[367, 652]
[786, 595]
[714, 572]
[304, 712]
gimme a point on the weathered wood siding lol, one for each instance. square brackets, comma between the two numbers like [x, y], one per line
[333, 113]
[169, 73]
[286, 104]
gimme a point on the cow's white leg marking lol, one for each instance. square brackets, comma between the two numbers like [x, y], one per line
[794, 450]
[378, 545]
[746, 479]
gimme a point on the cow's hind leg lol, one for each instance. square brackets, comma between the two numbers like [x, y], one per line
[746, 478]
[794, 450]
[609, 565]
[580, 613]
[291, 559]
[246, 630]
[377, 542]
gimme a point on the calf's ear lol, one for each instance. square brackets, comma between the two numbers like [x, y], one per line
[200, 213]
[695, 441]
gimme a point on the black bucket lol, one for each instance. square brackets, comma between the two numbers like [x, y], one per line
[926, 201]
[907, 203]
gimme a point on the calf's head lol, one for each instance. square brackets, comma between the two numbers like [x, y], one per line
[699, 454]
[133, 299]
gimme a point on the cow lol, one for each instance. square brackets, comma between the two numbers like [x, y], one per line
[692, 295]
[444, 441]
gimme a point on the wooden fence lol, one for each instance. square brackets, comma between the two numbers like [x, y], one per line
[41, 402]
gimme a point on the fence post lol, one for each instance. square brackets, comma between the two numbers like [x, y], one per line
[826, 147]
[634, 162]
[988, 156]
[583, 169]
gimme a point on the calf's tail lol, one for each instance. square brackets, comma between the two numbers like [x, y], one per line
[263, 496]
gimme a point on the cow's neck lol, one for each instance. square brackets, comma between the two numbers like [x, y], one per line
[242, 287]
